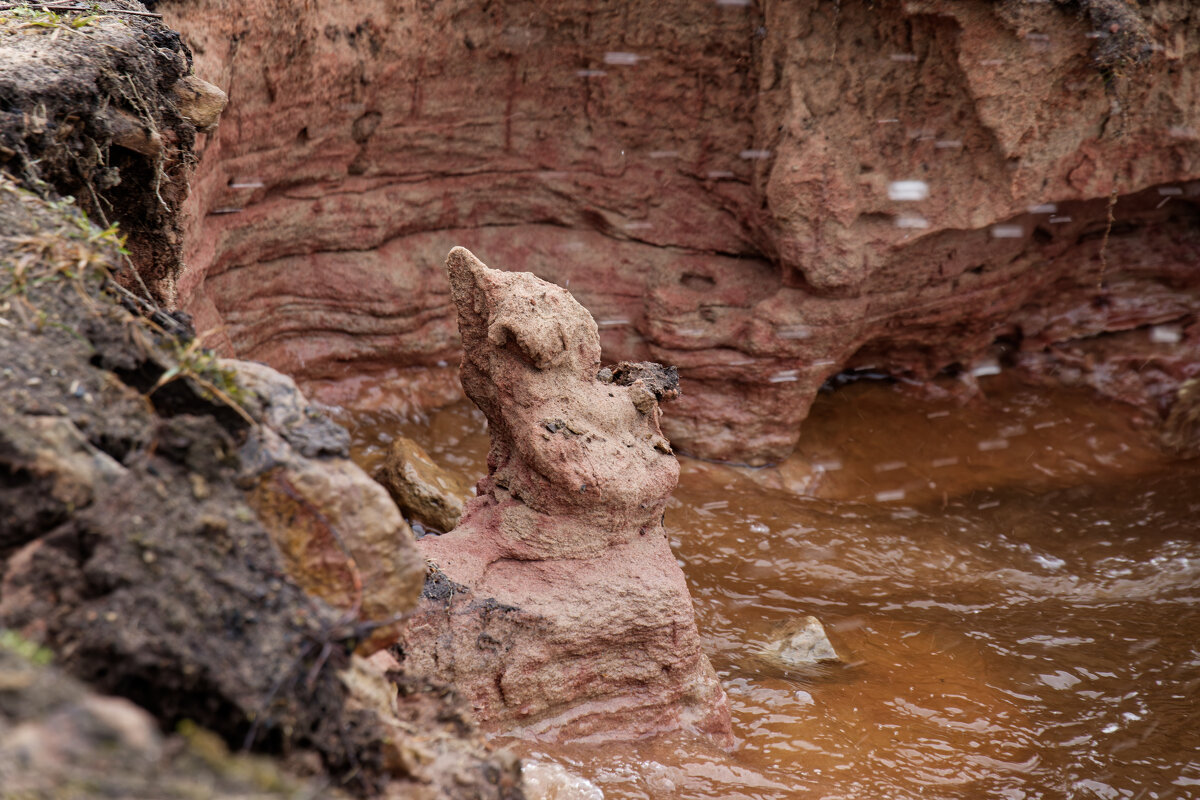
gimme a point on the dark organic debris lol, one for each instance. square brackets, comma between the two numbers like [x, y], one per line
[662, 381]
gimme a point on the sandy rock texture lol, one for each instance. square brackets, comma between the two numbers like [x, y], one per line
[429, 495]
[556, 607]
[716, 181]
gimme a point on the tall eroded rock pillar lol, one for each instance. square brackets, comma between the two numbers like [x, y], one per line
[557, 608]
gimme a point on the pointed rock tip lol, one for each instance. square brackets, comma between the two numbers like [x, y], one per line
[461, 258]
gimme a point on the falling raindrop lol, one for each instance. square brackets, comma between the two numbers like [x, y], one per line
[1007, 232]
[1166, 334]
[794, 332]
[908, 220]
[908, 190]
[622, 59]
[988, 366]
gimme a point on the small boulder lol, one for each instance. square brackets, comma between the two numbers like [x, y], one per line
[199, 102]
[341, 538]
[424, 491]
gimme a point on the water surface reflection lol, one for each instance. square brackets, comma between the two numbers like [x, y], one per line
[1020, 620]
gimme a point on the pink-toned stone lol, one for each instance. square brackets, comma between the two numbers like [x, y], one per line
[722, 203]
[556, 607]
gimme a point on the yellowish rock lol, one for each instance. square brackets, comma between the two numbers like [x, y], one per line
[424, 491]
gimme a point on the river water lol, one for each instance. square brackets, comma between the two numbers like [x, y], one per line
[1013, 582]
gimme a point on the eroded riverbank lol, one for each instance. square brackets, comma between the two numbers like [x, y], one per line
[1015, 583]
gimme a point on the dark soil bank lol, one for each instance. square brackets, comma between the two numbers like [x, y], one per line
[128, 549]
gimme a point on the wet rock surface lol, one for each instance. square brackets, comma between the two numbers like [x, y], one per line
[424, 491]
[562, 613]
[716, 183]
[341, 537]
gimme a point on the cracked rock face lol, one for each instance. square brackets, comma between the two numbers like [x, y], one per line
[568, 616]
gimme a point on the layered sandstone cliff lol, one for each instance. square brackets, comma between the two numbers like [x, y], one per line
[715, 181]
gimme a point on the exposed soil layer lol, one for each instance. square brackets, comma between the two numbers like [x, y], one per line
[719, 183]
[102, 106]
[128, 546]
[60, 740]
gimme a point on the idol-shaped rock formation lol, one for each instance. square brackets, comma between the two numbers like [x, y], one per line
[556, 607]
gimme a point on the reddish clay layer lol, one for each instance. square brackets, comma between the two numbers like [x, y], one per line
[714, 181]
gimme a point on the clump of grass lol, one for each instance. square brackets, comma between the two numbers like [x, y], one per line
[202, 367]
[30, 651]
[75, 250]
[34, 17]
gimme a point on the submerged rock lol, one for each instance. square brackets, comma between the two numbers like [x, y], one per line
[799, 648]
[800, 644]
[424, 491]
[570, 617]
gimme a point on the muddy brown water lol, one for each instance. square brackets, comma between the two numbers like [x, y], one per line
[1015, 583]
